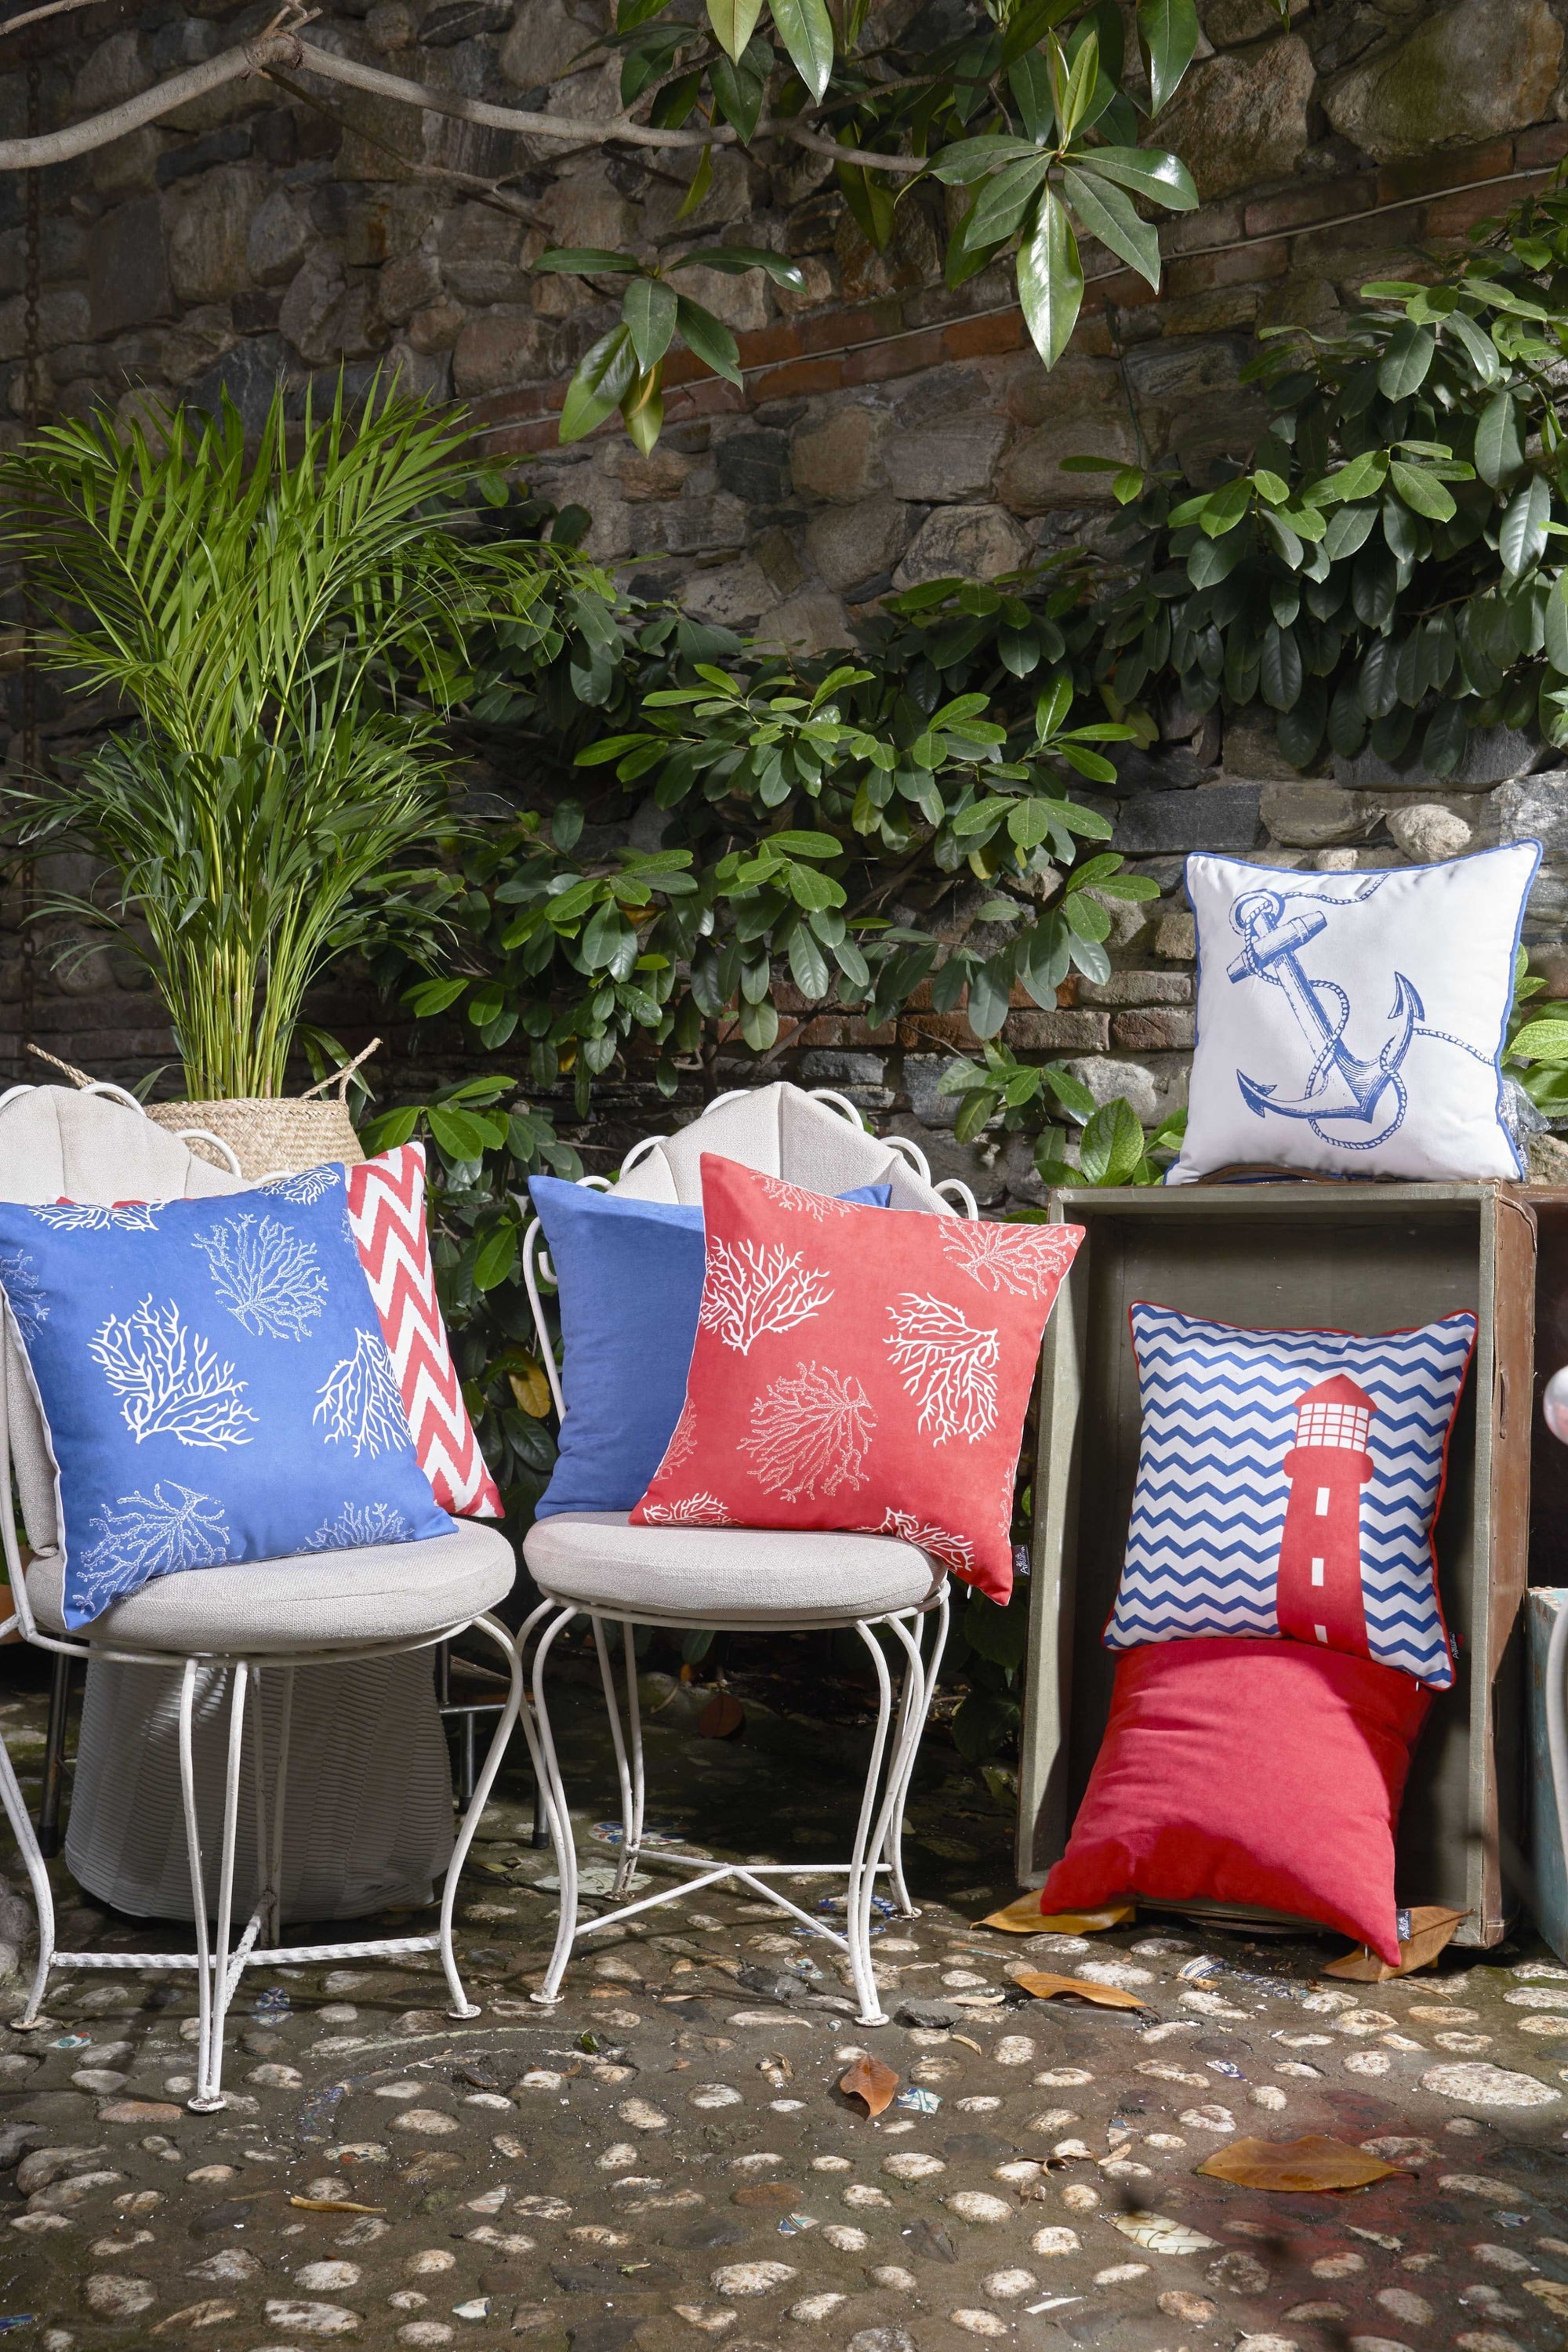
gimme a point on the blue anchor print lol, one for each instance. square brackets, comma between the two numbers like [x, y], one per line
[1343, 1089]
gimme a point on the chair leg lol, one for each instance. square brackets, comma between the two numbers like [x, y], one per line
[862, 1878]
[634, 1718]
[269, 1846]
[555, 1801]
[31, 1851]
[461, 2005]
[198, 1874]
[917, 1708]
[209, 2094]
[628, 1862]
[55, 1757]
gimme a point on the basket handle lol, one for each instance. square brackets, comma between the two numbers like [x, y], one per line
[340, 1078]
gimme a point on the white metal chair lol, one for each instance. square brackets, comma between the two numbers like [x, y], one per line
[379, 1601]
[743, 1580]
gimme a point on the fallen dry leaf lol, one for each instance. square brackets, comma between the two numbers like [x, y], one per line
[332, 2205]
[722, 1717]
[1045, 1988]
[871, 2082]
[968, 2043]
[210, 2313]
[1024, 1917]
[1432, 1929]
[1553, 2293]
[1310, 2163]
[1162, 2236]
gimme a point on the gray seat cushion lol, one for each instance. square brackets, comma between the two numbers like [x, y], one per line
[723, 1576]
[320, 1599]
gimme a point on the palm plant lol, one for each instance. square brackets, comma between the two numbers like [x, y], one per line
[288, 630]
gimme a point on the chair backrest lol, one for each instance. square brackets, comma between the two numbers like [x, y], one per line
[814, 1139]
[60, 1143]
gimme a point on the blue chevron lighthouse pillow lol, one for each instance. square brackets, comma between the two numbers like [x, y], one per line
[1288, 1482]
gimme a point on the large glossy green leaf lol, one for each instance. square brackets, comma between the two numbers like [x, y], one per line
[1422, 491]
[971, 158]
[1498, 451]
[1077, 88]
[733, 23]
[739, 94]
[1556, 618]
[1148, 171]
[708, 338]
[1105, 212]
[1111, 1145]
[1050, 279]
[603, 377]
[1402, 367]
[1002, 201]
[806, 28]
[735, 261]
[650, 314]
[583, 260]
[1280, 670]
[1521, 535]
[1169, 31]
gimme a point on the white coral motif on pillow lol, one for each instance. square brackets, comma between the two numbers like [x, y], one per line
[25, 1294]
[947, 1364]
[90, 1217]
[699, 1511]
[1028, 1261]
[360, 1523]
[956, 1552]
[303, 1190]
[360, 1400]
[815, 1205]
[755, 1288]
[143, 1536]
[811, 1432]
[173, 1383]
[682, 1441]
[266, 1276]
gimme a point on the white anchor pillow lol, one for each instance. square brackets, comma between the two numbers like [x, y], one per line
[1353, 1023]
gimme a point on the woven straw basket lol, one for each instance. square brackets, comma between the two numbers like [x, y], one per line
[261, 1135]
[273, 1135]
[268, 1135]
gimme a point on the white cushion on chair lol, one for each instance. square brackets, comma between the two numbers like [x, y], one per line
[57, 1143]
[379, 1592]
[781, 1131]
[723, 1576]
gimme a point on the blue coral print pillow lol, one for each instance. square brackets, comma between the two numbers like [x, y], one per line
[214, 1381]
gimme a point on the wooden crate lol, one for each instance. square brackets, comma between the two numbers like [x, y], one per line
[1364, 1257]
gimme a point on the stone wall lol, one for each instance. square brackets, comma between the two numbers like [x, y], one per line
[889, 431]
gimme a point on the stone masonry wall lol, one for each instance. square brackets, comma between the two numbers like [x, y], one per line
[890, 431]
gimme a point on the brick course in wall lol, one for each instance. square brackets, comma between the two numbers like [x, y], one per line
[888, 429]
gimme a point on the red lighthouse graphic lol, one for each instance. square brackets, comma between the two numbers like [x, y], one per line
[1319, 1596]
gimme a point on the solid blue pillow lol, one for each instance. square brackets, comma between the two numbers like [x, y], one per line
[215, 1384]
[630, 1280]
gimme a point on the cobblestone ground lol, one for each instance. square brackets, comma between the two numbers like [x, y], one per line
[664, 2158]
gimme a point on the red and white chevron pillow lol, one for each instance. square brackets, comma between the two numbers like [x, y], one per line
[387, 1217]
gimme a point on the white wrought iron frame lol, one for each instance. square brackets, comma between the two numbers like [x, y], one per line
[220, 1958]
[877, 1851]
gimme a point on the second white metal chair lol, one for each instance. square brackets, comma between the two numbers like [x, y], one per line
[744, 1580]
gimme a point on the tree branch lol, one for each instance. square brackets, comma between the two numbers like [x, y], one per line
[286, 50]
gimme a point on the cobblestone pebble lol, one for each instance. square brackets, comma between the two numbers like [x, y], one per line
[751, 2278]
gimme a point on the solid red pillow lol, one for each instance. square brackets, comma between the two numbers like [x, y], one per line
[1236, 1770]
[859, 1369]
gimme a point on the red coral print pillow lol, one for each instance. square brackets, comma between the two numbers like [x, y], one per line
[859, 1369]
